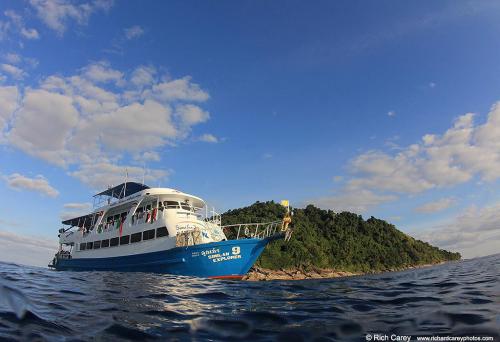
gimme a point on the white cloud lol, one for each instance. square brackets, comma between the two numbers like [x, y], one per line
[20, 61]
[143, 76]
[102, 72]
[78, 206]
[13, 16]
[72, 210]
[465, 151]
[97, 124]
[133, 32]
[377, 170]
[148, 156]
[179, 90]
[137, 126]
[9, 223]
[102, 175]
[15, 72]
[37, 251]
[209, 138]
[40, 130]
[16, 22]
[56, 14]
[190, 114]
[12, 58]
[4, 29]
[435, 206]
[30, 33]
[432, 85]
[8, 103]
[31, 62]
[391, 113]
[355, 200]
[474, 233]
[38, 184]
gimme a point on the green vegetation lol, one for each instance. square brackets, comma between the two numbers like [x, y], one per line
[342, 241]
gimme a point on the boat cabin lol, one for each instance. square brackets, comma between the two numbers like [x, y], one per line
[131, 213]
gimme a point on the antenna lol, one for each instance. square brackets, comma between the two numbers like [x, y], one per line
[143, 171]
[125, 186]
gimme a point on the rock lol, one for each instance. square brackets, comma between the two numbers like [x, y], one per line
[261, 274]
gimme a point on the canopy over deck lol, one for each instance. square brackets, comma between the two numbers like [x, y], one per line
[81, 221]
[123, 190]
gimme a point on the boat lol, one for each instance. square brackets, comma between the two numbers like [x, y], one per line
[135, 228]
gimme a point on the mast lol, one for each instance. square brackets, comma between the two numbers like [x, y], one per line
[125, 185]
[143, 171]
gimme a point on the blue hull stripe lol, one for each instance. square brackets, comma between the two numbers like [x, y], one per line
[216, 259]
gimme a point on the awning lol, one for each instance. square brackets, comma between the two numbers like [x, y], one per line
[123, 190]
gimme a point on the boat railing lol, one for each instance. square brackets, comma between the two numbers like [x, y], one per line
[101, 200]
[206, 215]
[252, 230]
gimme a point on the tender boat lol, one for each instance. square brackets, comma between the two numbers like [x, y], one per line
[137, 228]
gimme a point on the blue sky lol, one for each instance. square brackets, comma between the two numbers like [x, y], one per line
[384, 108]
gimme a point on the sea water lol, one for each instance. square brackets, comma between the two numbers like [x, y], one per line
[455, 299]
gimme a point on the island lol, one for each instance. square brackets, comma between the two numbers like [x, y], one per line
[326, 244]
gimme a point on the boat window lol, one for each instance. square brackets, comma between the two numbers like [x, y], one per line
[124, 240]
[97, 244]
[89, 245]
[113, 242]
[148, 234]
[123, 216]
[185, 206]
[148, 207]
[116, 218]
[172, 204]
[136, 237]
[139, 210]
[104, 243]
[109, 219]
[162, 231]
[83, 245]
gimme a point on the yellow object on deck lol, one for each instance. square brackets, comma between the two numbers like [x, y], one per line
[285, 203]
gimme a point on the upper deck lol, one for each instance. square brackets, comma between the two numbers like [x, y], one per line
[128, 193]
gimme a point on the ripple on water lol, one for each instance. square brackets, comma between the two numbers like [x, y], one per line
[217, 295]
[168, 314]
[126, 333]
[71, 292]
[465, 318]
[458, 298]
[222, 327]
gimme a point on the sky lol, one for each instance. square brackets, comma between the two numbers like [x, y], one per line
[388, 109]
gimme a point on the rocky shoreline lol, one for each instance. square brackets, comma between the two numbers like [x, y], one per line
[261, 274]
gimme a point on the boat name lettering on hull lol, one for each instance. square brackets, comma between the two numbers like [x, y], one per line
[225, 256]
[205, 252]
[185, 228]
[217, 258]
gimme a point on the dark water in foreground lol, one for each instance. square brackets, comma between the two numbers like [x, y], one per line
[456, 299]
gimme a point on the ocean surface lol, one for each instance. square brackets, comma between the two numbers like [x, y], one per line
[457, 299]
